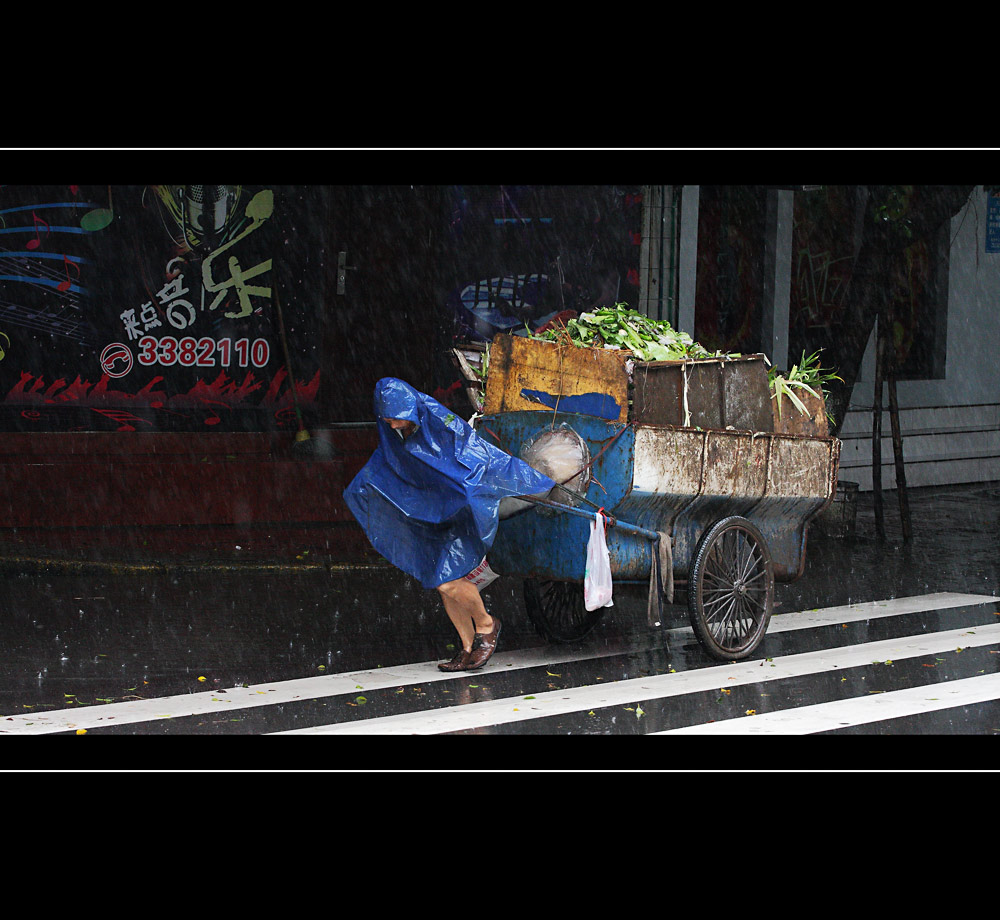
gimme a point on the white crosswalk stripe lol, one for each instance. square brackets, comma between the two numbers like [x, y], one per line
[625, 692]
[805, 720]
[822, 716]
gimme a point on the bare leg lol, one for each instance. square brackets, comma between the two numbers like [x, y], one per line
[465, 609]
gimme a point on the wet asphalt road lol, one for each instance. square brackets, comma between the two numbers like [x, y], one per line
[76, 641]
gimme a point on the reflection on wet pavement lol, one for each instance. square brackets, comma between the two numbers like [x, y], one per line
[76, 641]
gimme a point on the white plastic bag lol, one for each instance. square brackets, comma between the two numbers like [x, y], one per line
[482, 575]
[597, 575]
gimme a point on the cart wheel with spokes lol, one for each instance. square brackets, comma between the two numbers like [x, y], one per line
[557, 610]
[731, 589]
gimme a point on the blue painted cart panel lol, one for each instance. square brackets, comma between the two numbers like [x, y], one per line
[548, 544]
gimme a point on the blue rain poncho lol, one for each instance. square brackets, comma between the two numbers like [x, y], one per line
[429, 503]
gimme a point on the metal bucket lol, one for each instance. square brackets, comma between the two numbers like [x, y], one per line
[840, 517]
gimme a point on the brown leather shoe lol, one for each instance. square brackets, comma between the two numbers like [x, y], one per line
[483, 646]
[458, 663]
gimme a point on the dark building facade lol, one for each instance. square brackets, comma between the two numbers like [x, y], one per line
[187, 371]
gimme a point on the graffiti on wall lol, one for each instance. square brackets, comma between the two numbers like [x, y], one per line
[143, 306]
[41, 265]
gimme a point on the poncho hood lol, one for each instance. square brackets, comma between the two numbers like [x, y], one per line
[429, 503]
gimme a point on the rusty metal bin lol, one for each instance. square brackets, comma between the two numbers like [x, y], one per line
[703, 393]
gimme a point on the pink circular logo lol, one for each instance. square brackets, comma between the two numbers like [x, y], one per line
[116, 354]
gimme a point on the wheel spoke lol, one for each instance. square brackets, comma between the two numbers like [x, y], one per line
[737, 553]
[750, 558]
[718, 578]
[731, 549]
[748, 618]
[723, 622]
[722, 591]
[715, 598]
[716, 564]
[717, 620]
[738, 621]
[750, 565]
[758, 599]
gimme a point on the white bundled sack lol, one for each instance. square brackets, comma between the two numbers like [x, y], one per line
[597, 575]
[562, 455]
[482, 575]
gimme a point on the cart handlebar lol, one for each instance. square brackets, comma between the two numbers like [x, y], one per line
[651, 535]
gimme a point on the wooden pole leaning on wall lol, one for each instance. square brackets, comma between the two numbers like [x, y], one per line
[877, 428]
[886, 371]
[897, 442]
